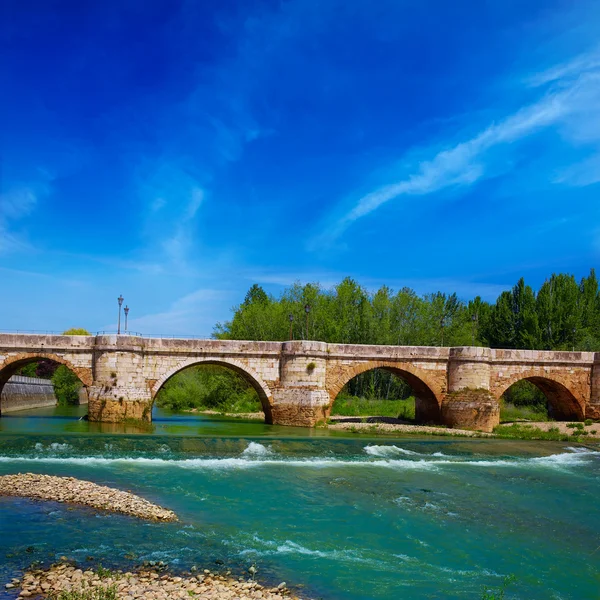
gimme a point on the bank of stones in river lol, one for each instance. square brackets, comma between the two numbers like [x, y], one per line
[76, 491]
[147, 584]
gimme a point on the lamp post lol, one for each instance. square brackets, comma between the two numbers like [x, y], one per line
[126, 311]
[474, 322]
[442, 325]
[307, 310]
[574, 337]
[291, 318]
[120, 301]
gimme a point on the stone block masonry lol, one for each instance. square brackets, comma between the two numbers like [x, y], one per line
[298, 381]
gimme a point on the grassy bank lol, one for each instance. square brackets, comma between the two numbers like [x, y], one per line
[352, 406]
[510, 412]
[523, 431]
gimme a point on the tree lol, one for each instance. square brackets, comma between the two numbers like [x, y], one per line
[66, 386]
[76, 331]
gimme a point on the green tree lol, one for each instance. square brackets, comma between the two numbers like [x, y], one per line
[66, 386]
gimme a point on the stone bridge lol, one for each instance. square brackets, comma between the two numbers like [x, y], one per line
[297, 381]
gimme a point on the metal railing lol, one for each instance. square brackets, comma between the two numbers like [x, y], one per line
[123, 333]
[32, 331]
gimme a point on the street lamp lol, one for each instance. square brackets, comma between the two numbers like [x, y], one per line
[474, 322]
[120, 301]
[307, 310]
[291, 318]
[126, 311]
[442, 324]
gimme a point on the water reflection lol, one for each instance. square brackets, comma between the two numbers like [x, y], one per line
[71, 419]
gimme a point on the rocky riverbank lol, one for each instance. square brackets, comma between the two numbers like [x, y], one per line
[77, 491]
[67, 581]
[387, 425]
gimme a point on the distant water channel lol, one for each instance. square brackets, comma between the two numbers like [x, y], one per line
[344, 517]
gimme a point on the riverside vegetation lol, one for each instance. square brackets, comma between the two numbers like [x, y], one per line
[66, 384]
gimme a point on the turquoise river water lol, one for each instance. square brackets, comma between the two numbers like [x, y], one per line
[339, 516]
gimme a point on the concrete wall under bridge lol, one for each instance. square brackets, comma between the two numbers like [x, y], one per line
[24, 393]
[298, 381]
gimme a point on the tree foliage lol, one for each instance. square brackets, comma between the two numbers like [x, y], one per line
[209, 387]
[66, 386]
[562, 315]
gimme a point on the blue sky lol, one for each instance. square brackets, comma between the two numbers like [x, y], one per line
[177, 152]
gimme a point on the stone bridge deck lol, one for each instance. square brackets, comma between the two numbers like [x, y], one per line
[298, 381]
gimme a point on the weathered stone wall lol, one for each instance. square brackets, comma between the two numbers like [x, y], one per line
[469, 403]
[23, 393]
[564, 377]
[73, 351]
[298, 381]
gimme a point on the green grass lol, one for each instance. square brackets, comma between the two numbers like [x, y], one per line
[521, 431]
[509, 412]
[351, 406]
[98, 593]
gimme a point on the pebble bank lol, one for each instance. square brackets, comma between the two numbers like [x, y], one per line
[77, 491]
[147, 584]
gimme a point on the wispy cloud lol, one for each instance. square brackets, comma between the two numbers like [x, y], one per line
[572, 105]
[178, 245]
[15, 204]
[192, 314]
[574, 68]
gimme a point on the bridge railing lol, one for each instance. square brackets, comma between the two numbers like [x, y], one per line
[158, 335]
[123, 333]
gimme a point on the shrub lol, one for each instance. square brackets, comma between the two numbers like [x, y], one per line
[209, 387]
[66, 386]
[98, 593]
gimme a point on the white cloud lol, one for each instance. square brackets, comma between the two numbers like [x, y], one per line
[15, 204]
[583, 63]
[193, 314]
[573, 107]
[195, 202]
[582, 174]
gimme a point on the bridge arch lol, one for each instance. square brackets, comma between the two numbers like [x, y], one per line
[427, 394]
[251, 376]
[563, 404]
[13, 363]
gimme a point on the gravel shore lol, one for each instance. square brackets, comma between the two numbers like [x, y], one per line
[147, 584]
[76, 491]
[376, 426]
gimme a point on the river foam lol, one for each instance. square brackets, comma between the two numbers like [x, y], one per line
[257, 455]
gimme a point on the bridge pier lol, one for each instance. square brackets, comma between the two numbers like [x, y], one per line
[301, 397]
[469, 403]
[592, 409]
[119, 391]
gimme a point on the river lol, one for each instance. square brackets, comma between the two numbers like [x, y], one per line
[343, 517]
